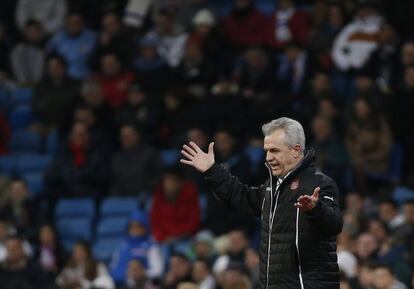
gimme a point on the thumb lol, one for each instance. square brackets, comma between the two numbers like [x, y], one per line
[211, 148]
[316, 193]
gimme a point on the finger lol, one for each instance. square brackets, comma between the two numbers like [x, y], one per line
[304, 198]
[189, 150]
[315, 194]
[187, 162]
[195, 146]
[187, 155]
[211, 148]
[298, 205]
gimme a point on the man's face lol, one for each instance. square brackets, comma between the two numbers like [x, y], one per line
[199, 271]
[129, 138]
[80, 134]
[15, 253]
[179, 267]
[383, 278]
[136, 270]
[280, 157]
[74, 24]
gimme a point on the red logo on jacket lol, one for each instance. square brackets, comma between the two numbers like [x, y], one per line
[294, 184]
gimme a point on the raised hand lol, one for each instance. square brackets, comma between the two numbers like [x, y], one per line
[306, 203]
[195, 157]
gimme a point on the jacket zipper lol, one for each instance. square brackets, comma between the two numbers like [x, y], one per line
[297, 248]
[271, 218]
[270, 226]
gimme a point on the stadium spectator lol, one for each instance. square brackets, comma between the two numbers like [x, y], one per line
[136, 277]
[151, 70]
[388, 213]
[49, 253]
[114, 79]
[113, 38]
[201, 274]
[79, 168]
[141, 108]
[55, 96]
[137, 245]
[92, 97]
[136, 168]
[179, 271]
[288, 24]
[28, 57]
[75, 43]
[18, 208]
[252, 264]
[175, 211]
[333, 157]
[358, 39]
[244, 26]
[238, 246]
[384, 279]
[49, 13]
[18, 269]
[83, 269]
[368, 140]
[170, 39]
[203, 247]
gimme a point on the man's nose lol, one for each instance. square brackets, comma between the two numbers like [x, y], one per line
[269, 157]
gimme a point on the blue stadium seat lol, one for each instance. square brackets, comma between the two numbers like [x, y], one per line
[170, 157]
[32, 162]
[7, 164]
[25, 141]
[72, 229]
[112, 227]
[52, 142]
[21, 117]
[118, 206]
[266, 7]
[402, 194]
[104, 248]
[76, 207]
[22, 96]
[35, 183]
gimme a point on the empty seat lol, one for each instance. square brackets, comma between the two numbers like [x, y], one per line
[118, 206]
[76, 207]
[7, 164]
[104, 248]
[112, 227]
[34, 181]
[170, 157]
[73, 229]
[32, 162]
[25, 141]
[21, 117]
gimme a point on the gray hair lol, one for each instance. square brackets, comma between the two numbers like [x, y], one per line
[294, 133]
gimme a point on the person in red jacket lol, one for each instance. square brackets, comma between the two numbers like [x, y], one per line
[115, 82]
[245, 26]
[288, 24]
[175, 212]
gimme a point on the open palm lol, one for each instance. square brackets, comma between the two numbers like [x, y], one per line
[195, 157]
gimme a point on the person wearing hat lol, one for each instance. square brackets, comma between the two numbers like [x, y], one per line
[139, 245]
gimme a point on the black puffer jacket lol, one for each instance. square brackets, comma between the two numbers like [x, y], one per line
[297, 250]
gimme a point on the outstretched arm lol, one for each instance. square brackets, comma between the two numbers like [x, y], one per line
[226, 187]
[322, 208]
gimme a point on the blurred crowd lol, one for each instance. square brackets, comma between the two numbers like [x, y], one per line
[123, 84]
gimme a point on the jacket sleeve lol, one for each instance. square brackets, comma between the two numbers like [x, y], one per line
[326, 216]
[230, 190]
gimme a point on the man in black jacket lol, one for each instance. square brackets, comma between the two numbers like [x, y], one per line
[298, 206]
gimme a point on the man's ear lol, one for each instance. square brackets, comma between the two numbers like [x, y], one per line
[297, 150]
